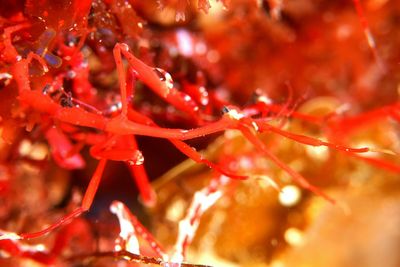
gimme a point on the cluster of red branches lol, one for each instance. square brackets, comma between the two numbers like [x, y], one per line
[95, 75]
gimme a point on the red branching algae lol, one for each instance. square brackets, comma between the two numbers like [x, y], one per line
[274, 103]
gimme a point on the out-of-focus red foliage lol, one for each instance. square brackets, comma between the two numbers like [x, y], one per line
[91, 80]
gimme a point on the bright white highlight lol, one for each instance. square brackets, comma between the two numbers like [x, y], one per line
[201, 202]
[294, 237]
[185, 43]
[289, 196]
[128, 239]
